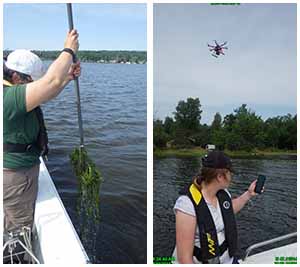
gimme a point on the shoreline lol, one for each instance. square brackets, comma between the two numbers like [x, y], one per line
[200, 152]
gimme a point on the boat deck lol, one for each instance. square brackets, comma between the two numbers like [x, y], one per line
[55, 239]
[269, 256]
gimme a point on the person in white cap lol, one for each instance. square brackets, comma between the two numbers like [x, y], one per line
[25, 88]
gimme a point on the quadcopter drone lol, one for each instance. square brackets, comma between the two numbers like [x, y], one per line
[217, 49]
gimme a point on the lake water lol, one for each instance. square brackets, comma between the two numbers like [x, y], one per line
[266, 216]
[113, 103]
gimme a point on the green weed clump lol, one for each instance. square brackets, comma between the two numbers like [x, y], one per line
[90, 179]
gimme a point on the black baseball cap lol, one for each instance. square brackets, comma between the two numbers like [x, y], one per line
[217, 160]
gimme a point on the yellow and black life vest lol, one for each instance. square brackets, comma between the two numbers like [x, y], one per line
[210, 249]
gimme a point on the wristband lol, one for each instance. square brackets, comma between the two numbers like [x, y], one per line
[71, 52]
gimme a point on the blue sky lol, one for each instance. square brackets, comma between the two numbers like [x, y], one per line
[259, 68]
[100, 26]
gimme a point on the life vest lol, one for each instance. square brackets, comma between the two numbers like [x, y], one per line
[210, 250]
[40, 145]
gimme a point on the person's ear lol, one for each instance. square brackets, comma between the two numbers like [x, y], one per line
[220, 177]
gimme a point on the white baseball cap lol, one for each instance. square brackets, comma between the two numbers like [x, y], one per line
[26, 62]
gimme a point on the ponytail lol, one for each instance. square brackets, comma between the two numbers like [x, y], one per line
[207, 175]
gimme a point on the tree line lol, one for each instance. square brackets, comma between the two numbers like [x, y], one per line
[102, 56]
[241, 130]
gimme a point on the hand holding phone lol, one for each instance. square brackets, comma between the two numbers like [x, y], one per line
[260, 184]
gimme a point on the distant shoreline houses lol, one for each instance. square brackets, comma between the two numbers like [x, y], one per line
[102, 61]
[101, 56]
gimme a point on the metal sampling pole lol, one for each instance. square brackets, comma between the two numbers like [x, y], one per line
[76, 82]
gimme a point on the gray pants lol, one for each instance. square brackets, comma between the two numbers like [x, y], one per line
[20, 189]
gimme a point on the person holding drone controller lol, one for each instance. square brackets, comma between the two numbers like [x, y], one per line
[206, 230]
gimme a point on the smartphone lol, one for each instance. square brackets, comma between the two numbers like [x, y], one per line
[260, 183]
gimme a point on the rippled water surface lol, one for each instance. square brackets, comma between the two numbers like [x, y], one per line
[266, 216]
[113, 103]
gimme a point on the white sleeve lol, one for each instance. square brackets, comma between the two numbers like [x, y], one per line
[185, 205]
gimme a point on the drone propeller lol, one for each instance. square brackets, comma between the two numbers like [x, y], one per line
[216, 42]
[214, 55]
[224, 43]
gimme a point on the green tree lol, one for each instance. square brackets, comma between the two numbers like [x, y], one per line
[188, 114]
[183, 139]
[243, 129]
[203, 136]
[272, 129]
[217, 122]
[291, 142]
[229, 121]
[160, 137]
[169, 126]
[216, 132]
[288, 132]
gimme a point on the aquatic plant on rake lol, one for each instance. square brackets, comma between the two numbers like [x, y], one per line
[90, 179]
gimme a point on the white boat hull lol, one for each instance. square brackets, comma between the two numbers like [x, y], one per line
[55, 239]
[269, 256]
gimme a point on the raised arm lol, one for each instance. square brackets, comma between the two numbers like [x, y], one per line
[57, 76]
[239, 202]
[185, 235]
